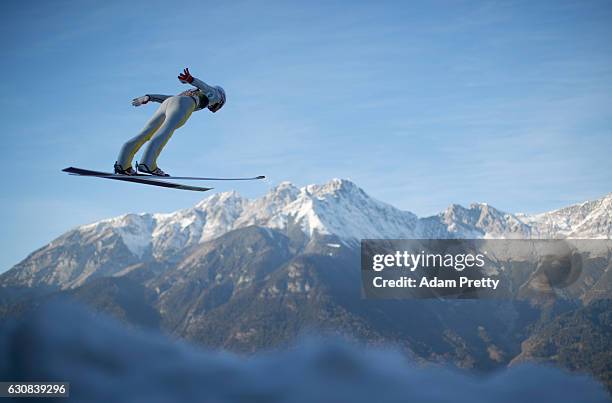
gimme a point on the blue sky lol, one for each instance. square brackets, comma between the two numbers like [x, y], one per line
[422, 104]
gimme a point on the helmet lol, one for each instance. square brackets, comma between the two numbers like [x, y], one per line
[216, 106]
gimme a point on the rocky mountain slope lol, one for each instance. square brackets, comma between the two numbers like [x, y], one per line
[338, 208]
[247, 275]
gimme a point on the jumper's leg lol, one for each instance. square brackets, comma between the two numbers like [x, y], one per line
[131, 147]
[178, 110]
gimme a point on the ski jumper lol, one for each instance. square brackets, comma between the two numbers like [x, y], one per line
[171, 114]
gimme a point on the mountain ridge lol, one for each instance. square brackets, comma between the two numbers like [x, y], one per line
[251, 275]
[338, 209]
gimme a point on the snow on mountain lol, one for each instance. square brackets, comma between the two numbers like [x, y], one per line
[588, 220]
[266, 211]
[208, 219]
[483, 221]
[129, 227]
[341, 208]
[338, 208]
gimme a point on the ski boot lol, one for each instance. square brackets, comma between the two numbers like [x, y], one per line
[155, 172]
[119, 170]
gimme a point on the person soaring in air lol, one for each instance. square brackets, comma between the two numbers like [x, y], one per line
[171, 114]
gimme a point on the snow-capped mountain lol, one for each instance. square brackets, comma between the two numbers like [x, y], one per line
[342, 209]
[587, 220]
[249, 275]
[339, 209]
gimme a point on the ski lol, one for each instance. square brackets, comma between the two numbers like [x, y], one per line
[86, 172]
[136, 179]
[198, 178]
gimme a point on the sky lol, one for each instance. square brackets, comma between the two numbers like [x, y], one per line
[422, 104]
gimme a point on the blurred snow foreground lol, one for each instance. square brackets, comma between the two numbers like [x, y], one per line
[105, 362]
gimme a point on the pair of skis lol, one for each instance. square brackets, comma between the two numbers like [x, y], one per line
[162, 181]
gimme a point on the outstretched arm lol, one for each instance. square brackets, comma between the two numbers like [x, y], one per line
[149, 97]
[186, 78]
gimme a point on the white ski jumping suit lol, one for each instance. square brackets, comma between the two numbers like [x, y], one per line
[171, 114]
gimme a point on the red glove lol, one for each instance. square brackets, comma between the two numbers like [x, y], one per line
[185, 76]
